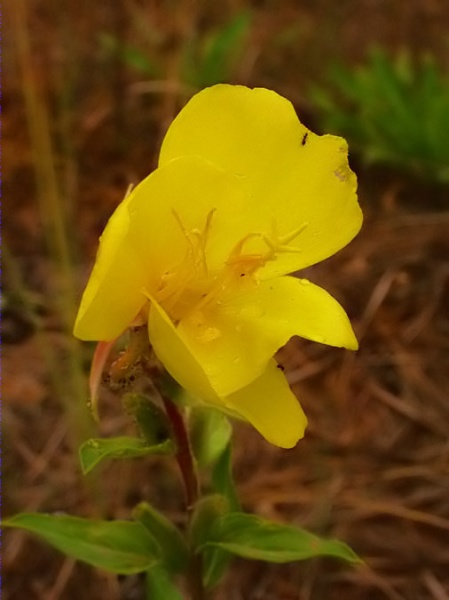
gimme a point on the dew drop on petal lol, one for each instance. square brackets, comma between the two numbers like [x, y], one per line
[210, 334]
[252, 311]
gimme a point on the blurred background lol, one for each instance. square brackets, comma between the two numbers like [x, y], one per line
[89, 90]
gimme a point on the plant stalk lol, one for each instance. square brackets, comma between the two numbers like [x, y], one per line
[186, 463]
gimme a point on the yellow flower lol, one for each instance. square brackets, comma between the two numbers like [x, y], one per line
[243, 195]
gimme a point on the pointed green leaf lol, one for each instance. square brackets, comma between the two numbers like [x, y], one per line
[216, 560]
[118, 546]
[95, 450]
[210, 432]
[206, 517]
[223, 49]
[130, 55]
[222, 480]
[250, 536]
[173, 546]
[159, 586]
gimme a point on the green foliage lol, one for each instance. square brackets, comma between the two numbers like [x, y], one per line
[212, 59]
[174, 550]
[206, 59]
[151, 420]
[159, 585]
[391, 111]
[93, 451]
[118, 546]
[222, 480]
[206, 516]
[215, 560]
[130, 55]
[251, 537]
[210, 433]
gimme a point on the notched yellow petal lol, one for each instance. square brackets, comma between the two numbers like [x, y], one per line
[290, 174]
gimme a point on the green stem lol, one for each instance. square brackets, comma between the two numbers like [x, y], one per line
[187, 467]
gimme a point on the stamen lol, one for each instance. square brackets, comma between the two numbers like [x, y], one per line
[185, 233]
[281, 242]
[189, 288]
[276, 244]
[197, 240]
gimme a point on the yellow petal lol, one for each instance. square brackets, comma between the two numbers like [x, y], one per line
[112, 297]
[176, 357]
[271, 407]
[234, 340]
[182, 195]
[144, 239]
[293, 177]
[267, 403]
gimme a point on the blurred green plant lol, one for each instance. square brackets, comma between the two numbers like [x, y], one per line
[213, 57]
[130, 55]
[206, 58]
[393, 111]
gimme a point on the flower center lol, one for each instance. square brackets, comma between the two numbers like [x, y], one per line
[190, 288]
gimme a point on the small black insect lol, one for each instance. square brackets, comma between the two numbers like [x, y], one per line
[304, 138]
[280, 367]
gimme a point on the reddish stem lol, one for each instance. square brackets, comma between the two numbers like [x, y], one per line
[184, 458]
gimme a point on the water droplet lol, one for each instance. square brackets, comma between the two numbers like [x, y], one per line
[252, 311]
[304, 282]
[236, 360]
[209, 334]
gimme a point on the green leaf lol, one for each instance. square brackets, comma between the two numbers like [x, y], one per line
[173, 546]
[130, 55]
[251, 537]
[216, 560]
[119, 546]
[213, 58]
[206, 517]
[223, 50]
[159, 585]
[207, 513]
[95, 450]
[210, 432]
[222, 480]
